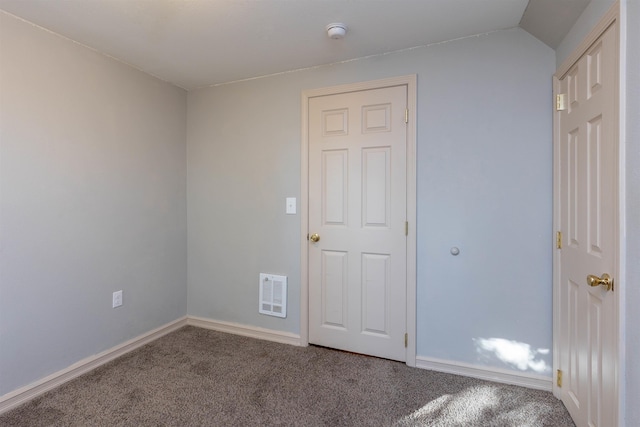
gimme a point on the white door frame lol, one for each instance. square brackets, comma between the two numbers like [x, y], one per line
[610, 17]
[410, 81]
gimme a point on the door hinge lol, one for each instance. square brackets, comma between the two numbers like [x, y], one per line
[406, 228]
[561, 104]
[406, 340]
[559, 239]
[406, 115]
[559, 378]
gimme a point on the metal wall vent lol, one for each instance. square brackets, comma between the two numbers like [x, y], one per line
[273, 295]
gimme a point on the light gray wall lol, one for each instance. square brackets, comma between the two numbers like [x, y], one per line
[92, 200]
[632, 193]
[484, 185]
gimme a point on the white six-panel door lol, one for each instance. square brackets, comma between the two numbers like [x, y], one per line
[586, 150]
[357, 209]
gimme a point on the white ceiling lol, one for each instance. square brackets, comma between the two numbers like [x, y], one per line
[196, 43]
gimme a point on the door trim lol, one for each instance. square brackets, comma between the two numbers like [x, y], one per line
[610, 17]
[411, 82]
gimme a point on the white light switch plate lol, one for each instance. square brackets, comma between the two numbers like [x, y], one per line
[291, 205]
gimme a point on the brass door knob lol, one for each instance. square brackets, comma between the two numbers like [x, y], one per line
[605, 280]
[314, 237]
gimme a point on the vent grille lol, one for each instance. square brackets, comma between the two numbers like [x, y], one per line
[273, 295]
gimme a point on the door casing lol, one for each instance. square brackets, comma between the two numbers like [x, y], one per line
[411, 82]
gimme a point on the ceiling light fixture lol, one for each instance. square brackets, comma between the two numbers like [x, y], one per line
[336, 31]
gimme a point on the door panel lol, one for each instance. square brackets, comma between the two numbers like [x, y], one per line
[587, 209]
[375, 294]
[335, 172]
[357, 205]
[376, 188]
[334, 288]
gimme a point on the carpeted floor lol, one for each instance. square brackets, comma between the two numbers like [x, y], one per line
[198, 377]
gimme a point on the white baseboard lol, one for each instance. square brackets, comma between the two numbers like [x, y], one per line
[26, 393]
[245, 330]
[504, 376]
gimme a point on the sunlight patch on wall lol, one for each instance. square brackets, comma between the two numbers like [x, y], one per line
[516, 354]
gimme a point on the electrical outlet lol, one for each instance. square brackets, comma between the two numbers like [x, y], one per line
[117, 299]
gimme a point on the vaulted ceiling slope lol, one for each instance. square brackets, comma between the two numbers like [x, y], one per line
[198, 43]
[551, 20]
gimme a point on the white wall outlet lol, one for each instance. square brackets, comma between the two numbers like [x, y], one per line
[117, 299]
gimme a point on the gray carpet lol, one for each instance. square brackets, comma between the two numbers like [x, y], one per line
[198, 377]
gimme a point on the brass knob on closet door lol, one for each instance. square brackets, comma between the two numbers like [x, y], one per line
[605, 280]
[314, 237]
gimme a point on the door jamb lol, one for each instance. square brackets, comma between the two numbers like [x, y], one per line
[411, 82]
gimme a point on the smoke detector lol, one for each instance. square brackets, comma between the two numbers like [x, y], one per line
[336, 31]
